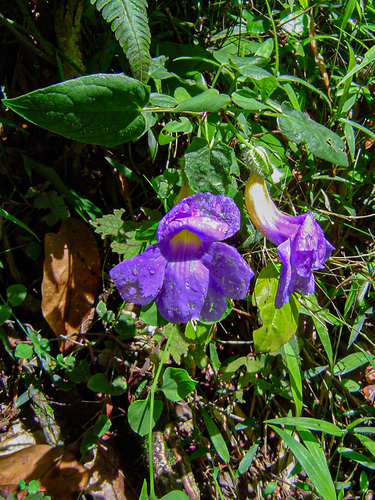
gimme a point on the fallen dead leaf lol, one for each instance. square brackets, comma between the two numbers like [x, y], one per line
[58, 472]
[70, 279]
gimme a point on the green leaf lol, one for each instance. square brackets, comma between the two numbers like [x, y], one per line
[309, 423]
[249, 103]
[216, 438]
[24, 351]
[210, 101]
[81, 205]
[367, 443]
[350, 363]
[312, 461]
[324, 143]
[5, 340]
[279, 325]
[110, 224]
[5, 313]
[89, 440]
[99, 383]
[294, 368]
[209, 169]
[139, 415]
[177, 384]
[125, 326]
[247, 459]
[4, 213]
[129, 22]
[175, 495]
[97, 109]
[102, 425]
[357, 457]
[16, 294]
[150, 315]
[103, 313]
[55, 204]
[80, 373]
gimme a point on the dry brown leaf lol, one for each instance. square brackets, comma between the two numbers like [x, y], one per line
[109, 480]
[58, 472]
[70, 279]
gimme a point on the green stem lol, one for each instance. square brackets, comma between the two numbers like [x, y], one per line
[151, 395]
[276, 71]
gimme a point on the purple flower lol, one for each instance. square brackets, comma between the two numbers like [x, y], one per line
[302, 247]
[189, 272]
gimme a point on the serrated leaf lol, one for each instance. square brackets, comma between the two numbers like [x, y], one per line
[53, 202]
[209, 169]
[109, 225]
[96, 109]
[299, 127]
[279, 325]
[129, 22]
[177, 384]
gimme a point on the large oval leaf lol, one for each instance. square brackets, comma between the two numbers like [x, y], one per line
[324, 143]
[97, 109]
[279, 325]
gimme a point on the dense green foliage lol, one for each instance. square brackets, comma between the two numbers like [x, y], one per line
[265, 403]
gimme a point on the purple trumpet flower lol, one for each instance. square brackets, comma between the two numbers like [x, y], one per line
[302, 246]
[189, 272]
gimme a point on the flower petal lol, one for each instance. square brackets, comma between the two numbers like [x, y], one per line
[211, 217]
[140, 278]
[184, 291]
[232, 272]
[295, 276]
[215, 304]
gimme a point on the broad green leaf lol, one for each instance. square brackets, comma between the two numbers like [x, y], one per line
[216, 438]
[210, 101]
[151, 316]
[249, 103]
[97, 109]
[209, 169]
[16, 294]
[129, 22]
[24, 351]
[294, 369]
[279, 325]
[324, 143]
[309, 423]
[350, 363]
[5, 313]
[125, 326]
[99, 383]
[313, 465]
[102, 425]
[262, 79]
[177, 384]
[139, 415]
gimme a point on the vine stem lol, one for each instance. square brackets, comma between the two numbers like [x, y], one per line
[151, 395]
[276, 71]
